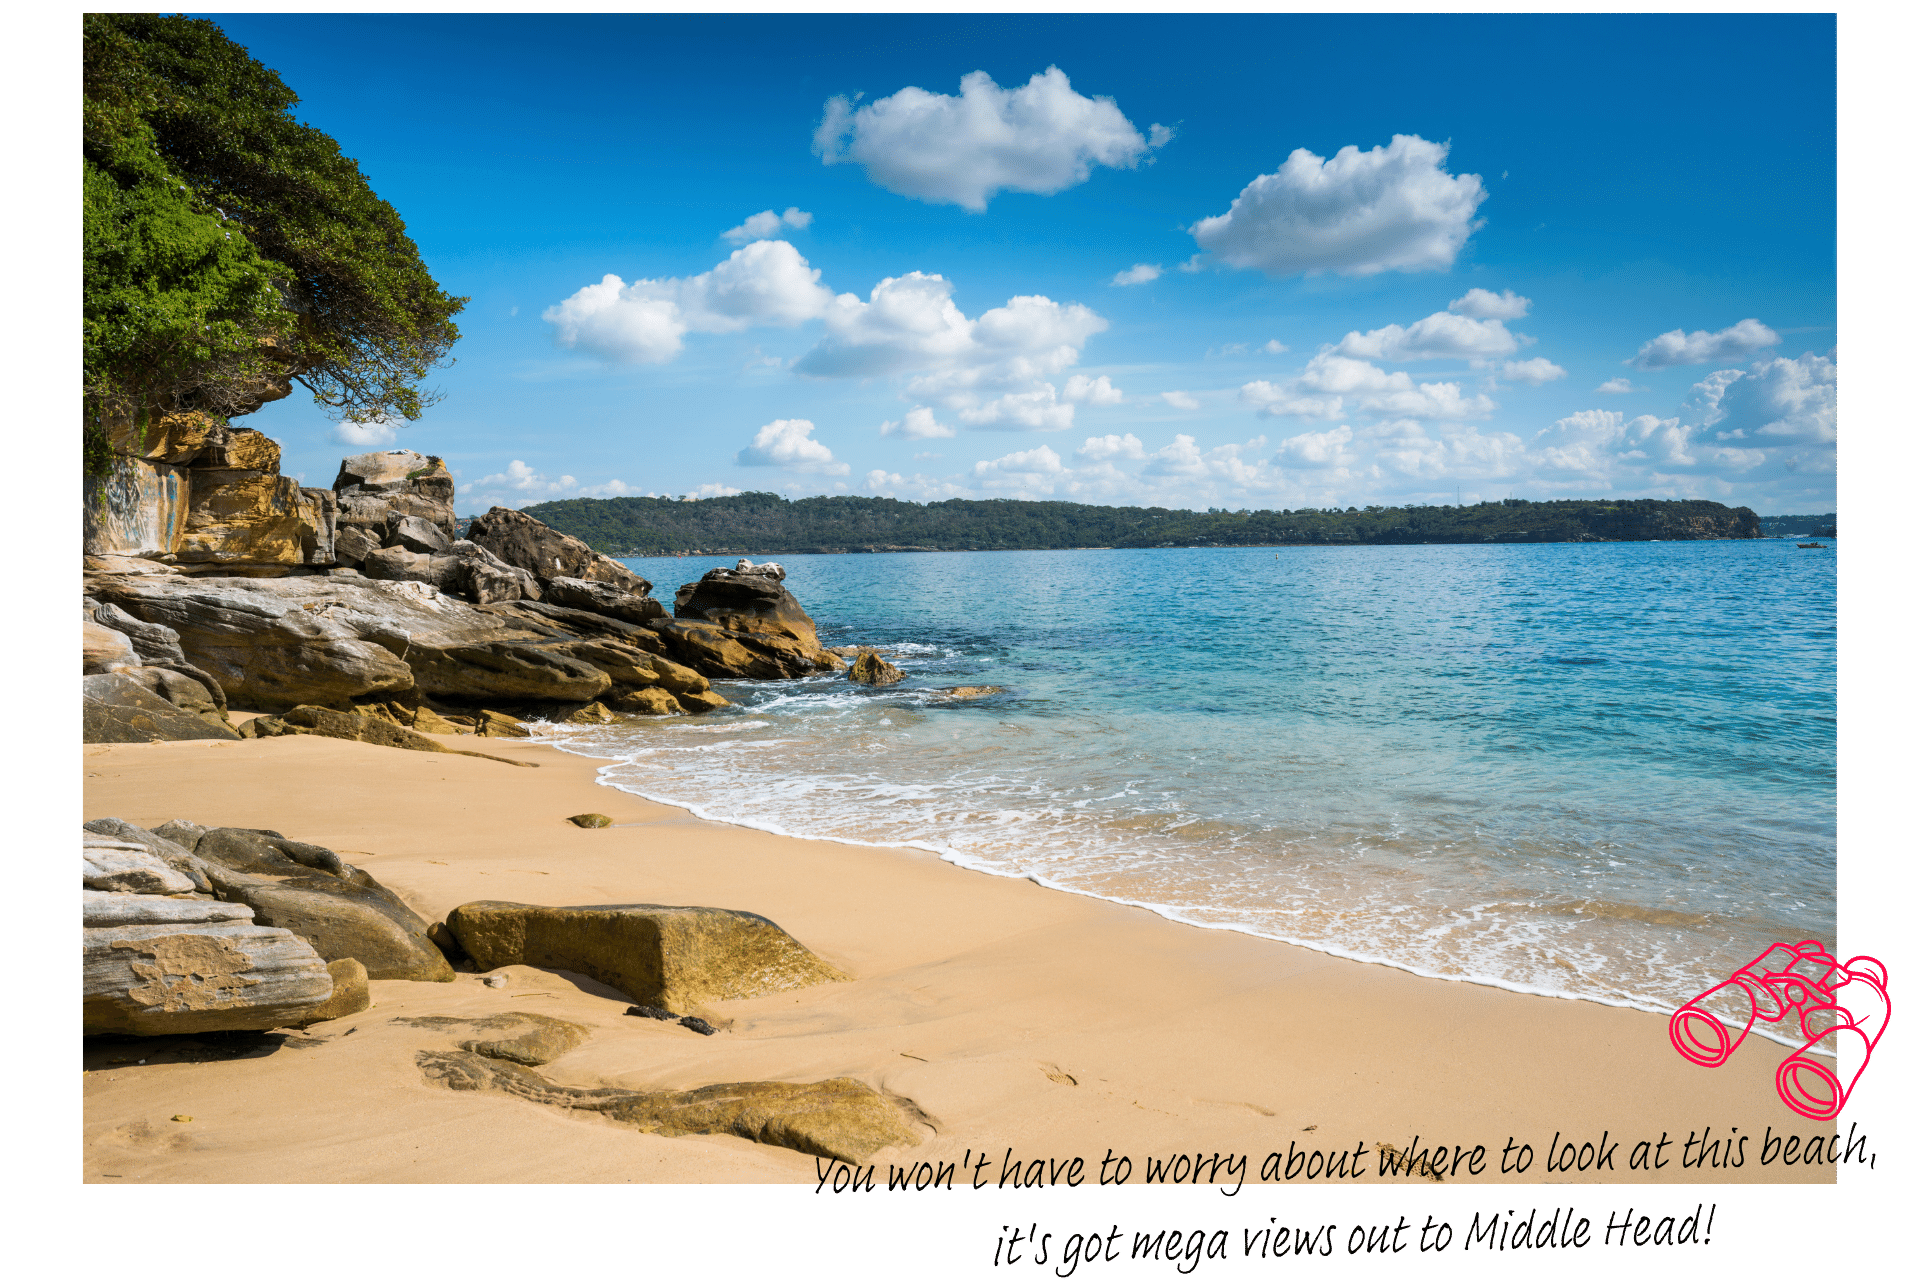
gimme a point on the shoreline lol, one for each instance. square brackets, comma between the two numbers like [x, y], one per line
[1010, 1015]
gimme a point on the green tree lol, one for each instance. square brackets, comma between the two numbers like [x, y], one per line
[229, 247]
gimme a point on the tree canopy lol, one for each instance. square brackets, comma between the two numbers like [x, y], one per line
[229, 247]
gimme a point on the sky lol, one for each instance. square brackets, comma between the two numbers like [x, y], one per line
[1217, 262]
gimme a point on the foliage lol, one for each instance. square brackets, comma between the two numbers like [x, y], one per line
[229, 247]
[762, 523]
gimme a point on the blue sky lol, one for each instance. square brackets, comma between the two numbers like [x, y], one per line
[1644, 204]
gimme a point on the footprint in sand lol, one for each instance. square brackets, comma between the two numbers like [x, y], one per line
[1055, 1074]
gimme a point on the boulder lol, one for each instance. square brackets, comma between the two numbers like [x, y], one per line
[871, 668]
[963, 692]
[176, 438]
[592, 713]
[601, 598]
[171, 979]
[354, 544]
[117, 866]
[98, 910]
[153, 642]
[673, 957]
[593, 821]
[530, 1039]
[373, 486]
[225, 447]
[752, 603]
[700, 703]
[837, 1119]
[352, 726]
[195, 693]
[494, 724]
[719, 655]
[117, 708]
[104, 649]
[351, 994]
[115, 833]
[321, 513]
[416, 534]
[645, 702]
[246, 515]
[506, 671]
[547, 553]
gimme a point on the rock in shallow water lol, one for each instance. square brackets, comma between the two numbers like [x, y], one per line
[871, 668]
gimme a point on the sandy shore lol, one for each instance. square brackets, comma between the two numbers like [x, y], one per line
[1012, 1016]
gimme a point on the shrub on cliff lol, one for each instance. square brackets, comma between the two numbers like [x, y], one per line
[228, 246]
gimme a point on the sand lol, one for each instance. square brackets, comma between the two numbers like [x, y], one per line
[1012, 1016]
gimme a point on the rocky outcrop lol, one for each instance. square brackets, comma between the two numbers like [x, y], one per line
[838, 1119]
[672, 957]
[376, 490]
[378, 731]
[871, 668]
[600, 598]
[530, 1039]
[750, 610]
[118, 708]
[546, 553]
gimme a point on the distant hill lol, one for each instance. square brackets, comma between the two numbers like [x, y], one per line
[765, 523]
[1788, 526]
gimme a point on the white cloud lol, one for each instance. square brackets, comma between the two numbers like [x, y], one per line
[1095, 391]
[1041, 137]
[788, 443]
[523, 479]
[1179, 400]
[715, 490]
[365, 435]
[766, 224]
[1441, 336]
[1393, 208]
[1534, 371]
[1036, 410]
[1275, 347]
[1027, 469]
[1333, 385]
[1701, 347]
[764, 283]
[1782, 401]
[1138, 273]
[1482, 304]
[1594, 443]
[1103, 448]
[1615, 387]
[919, 424]
[1317, 449]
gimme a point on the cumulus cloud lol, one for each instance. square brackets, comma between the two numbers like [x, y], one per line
[1394, 208]
[1027, 469]
[1138, 273]
[1700, 347]
[1534, 371]
[1041, 137]
[1179, 400]
[366, 435]
[1036, 410]
[524, 480]
[1592, 443]
[1781, 401]
[1317, 449]
[766, 283]
[1274, 347]
[1096, 391]
[919, 424]
[788, 443]
[1616, 387]
[766, 224]
[1441, 336]
[1103, 448]
[1333, 385]
[1481, 304]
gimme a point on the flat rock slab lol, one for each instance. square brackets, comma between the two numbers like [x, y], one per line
[100, 910]
[157, 980]
[117, 708]
[530, 1039]
[677, 958]
[838, 1119]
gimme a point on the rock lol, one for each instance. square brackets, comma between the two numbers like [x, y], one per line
[227, 447]
[560, 622]
[185, 979]
[767, 570]
[591, 820]
[98, 910]
[351, 994]
[177, 438]
[374, 730]
[427, 720]
[116, 708]
[372, 485]
[546, 553]
[398, 564]
[838, 1119]
[321, 511]
[700, 703]
[442, 937]
[136, 508]
[103, 649]
[531, 1039]
[753, 603]
[700, 1025]
[645, 702]
[871, 668]
[610, 601]
[674, 957]
[718, 655]
[591, 713]
[176, 854]
[124, 564]
[246, 515]
[652, 1011]
[416, 534]
[200, 697]
[354, 544]
[153, 642]
[124, 867]
[506, 671]
[494, 724]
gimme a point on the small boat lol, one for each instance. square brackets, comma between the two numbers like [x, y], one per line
[1817, 546]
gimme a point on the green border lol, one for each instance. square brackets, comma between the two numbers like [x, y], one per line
[788, 1231]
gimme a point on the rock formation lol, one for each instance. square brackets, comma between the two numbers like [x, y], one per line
[871, 668]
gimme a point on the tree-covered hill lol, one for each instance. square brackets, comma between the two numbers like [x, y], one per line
[765, 523]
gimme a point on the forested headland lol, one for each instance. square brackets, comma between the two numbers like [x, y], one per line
[765, 523]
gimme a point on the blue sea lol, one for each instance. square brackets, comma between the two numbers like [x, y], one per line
[1602, 771]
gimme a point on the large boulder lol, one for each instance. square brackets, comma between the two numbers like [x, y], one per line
[547, 553]
[750, 602]
[172, 979]
[372, 487]
[871, 668]
[104, 649]
[674, 958]
[118, 708]
[247, 515]
[720, 654]
[600, 598]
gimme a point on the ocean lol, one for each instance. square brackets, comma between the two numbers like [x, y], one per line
[1602, 771]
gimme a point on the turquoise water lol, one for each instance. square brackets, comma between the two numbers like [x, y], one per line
[1596, 770]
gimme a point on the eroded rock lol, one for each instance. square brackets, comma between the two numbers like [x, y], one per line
[547, 554]
[530, 1039]
[168, 979]
[871, 668]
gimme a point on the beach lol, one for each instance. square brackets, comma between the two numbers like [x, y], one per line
[1002, 1016]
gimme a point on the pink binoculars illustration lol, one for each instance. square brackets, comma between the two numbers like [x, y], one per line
[1802, 979]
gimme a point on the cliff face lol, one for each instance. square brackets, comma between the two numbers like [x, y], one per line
[1672, 522]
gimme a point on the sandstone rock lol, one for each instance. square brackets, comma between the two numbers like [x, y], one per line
[353, 545]
[871, 668]
[354, 727]
[715, 653]
[768, 570]
[125, 867]
[98, 909]
[531, 1039]
[238, 448]
[124, 564]
[200, 697]
[104, 649]
[591, 820]
[372, 485]
[351, 994]
[966, 691]
[674, 957]
[176, 438]
[416, 534]
[116, 708]
[610, 601]
[837, 1119]
[591, 713]
[507, 672]
[178, 855]
[398, 564]
[173, 979]
[485, 578]
[136, 508]
[645, 702]
[547, 553]
[700, 703]
[494, 724]
[427, 720]
[154, 643]
[320, 512]
[245, 515]
[752, 603]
